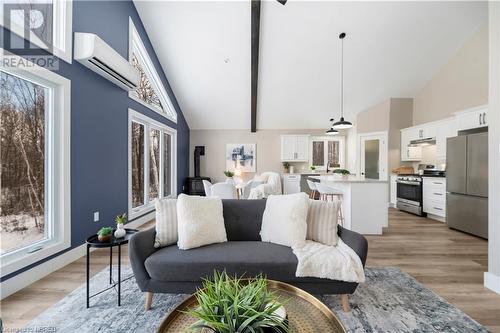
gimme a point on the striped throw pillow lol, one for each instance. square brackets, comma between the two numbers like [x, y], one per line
[166, 222]
[322, 222]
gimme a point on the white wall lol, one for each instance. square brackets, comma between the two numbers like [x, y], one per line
[492, 277]
[460, 84]
[268, 149]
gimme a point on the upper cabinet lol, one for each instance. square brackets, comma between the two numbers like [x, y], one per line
[445, 129]
[295, 148]
[472, 118]
[409, 153]
[440, 130]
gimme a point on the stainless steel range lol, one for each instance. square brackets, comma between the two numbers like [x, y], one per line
[409, 193]
[409, 188]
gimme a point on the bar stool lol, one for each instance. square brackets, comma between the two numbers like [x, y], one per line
[327, 192]
[312, 188]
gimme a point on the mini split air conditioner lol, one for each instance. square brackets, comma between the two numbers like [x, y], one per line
[94, 53]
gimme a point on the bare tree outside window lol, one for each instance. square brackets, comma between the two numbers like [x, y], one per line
[22, 153]
[154, 164]
[145, 91]
[167, 188]
[333, 154]
[137, 164]
[318, 153]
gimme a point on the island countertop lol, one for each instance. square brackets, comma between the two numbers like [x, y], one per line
[350, 179]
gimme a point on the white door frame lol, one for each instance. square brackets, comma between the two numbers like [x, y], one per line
[383, 136]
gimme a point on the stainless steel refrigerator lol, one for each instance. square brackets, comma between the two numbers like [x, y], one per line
[467, 183]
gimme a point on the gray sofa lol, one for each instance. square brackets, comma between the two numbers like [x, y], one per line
[170, 270]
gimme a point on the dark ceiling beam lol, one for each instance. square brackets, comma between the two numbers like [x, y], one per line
[254, 67]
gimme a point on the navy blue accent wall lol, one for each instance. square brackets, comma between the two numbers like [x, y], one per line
[99, 123]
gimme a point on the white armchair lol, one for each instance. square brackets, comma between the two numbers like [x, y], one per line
[271, 185]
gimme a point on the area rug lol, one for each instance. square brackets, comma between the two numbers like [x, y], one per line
[389, 301]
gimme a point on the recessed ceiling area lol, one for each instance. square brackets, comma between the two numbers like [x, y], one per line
[391, 50]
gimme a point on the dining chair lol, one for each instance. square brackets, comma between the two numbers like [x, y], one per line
[224, 191]
[312, 188]
[207, 186]
[249, 186]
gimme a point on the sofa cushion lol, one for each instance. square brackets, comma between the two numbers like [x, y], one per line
[247, 258]
[243, 219]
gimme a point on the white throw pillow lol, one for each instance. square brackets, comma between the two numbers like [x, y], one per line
[322, 222]
[166, 222]
[284, 220]
[200, 221]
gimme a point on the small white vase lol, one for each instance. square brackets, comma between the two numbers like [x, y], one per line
[120, 231]
[230, 180]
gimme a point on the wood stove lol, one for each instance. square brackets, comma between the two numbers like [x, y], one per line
[194, 185]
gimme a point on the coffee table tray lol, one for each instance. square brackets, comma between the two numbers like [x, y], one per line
[305, 312]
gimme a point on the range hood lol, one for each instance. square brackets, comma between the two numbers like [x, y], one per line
[422, 142]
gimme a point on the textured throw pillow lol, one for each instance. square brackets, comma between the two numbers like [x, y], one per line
[200, 221]
[322, 222]
[284, 220]
[166, 222]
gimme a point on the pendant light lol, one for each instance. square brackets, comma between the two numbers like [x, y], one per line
[332, 131]
[342, 124]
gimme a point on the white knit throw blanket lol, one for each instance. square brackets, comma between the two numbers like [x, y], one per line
[328, 262]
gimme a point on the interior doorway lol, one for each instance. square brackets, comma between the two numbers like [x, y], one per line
[372, 157]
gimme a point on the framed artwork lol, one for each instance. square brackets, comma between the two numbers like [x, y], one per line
[241, 156]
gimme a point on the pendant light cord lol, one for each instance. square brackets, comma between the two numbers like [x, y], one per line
[342, 75]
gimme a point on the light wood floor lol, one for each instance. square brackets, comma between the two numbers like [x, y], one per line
[448, 262]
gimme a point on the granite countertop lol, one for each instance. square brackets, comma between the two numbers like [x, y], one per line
[350, 179]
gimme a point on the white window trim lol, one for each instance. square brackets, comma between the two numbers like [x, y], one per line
[135, 44]
[149, 123]
[340, 139]
[62, 30]
[59, 201]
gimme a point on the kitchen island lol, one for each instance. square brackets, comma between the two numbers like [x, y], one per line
[364, 202]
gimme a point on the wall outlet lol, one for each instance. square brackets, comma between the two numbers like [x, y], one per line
[96, 216]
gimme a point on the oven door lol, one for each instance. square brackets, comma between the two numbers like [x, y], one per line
[409, 192]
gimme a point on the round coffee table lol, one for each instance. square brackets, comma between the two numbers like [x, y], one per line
[305, 312]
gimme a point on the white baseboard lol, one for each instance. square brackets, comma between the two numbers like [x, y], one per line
[437, 218]
[492, 281]
[24, 279]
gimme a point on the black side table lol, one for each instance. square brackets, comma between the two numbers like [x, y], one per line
[93, 241]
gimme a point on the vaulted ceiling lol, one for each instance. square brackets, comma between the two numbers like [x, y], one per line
[391, 50]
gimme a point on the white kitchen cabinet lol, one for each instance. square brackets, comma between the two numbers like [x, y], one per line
[434, 197]
[445, 129]
[295, 148]
[291, 183]
[472, 118]
[410, 153]
[394, 190]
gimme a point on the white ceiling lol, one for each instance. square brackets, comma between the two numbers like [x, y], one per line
[391, 50]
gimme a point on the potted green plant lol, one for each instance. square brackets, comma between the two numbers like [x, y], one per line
[120, 229]
[104, 234]
[286, 166]
[235, 305]
[229, 176]
[344, 173]
[313, 168]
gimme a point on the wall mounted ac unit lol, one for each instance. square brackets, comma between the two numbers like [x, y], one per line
[94, 53]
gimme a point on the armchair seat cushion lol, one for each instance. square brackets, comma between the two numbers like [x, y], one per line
[248, 258]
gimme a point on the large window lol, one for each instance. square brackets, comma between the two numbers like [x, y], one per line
[45, 23]
[327, 151]
[152, 158]
[34, 169]
[151, 92]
